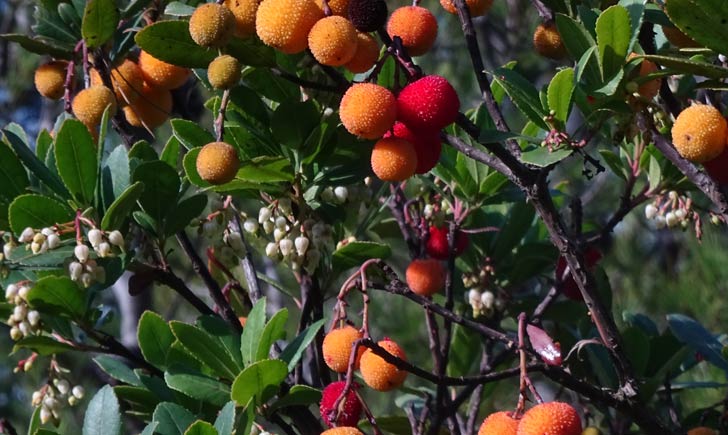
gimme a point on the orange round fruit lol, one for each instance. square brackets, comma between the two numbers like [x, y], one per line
[284, 24]
[499, 423]
[702, 430]
[50, 79]
[89, 104]
[212, 25]
[553, 418]
[244, 12]
[332, 41]
[394, 159]
[342, 431]
[368, 110]
[161, 74]
[425, 277]
[699, 133]
[476, 7]
[366, 55]
[379, 374]
[336, 348]
[416, 26]
[224, 72]
[338, 7]
[547, 41]
[217, 163]
[151, 109]
[651, 88]
[126, 80]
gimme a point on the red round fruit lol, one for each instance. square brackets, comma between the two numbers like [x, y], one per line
[427, 145]
[429, 103]
[352, 406]
[716, 168]
[563, 273]
[437, 246]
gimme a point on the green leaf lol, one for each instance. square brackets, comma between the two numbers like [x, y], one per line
[702, 20]
[225, 421]
[541, 156]
[150, 428]
[179, 9]
[265, 83]
[692, 333]
[76, 160]
[224, 334]
[293, 352]
[42, 344]
[560, 94]
[102, 414]
[523, 94]
[260, 380]
[201, 428]
[37, 211]
[274, 330]
[266, 169]
[161, 187]
[58, 295]
[171, 152]
[116, 168]
[13, 178]
[171, 42]
[689, 66]
[100, 19]
[294, 121]
[637, 346]
[35, 165]
[122, 207]
[513, 230]
[38, 46]
[115, 368]
[34, 423]
[252, 332]
[579, 42]
[613, 39]
[355, 253]
[172, 419]
[205, 349]
[250, 51]
[636, 10]
[190, 134]
[155, 338]
[185, 211]
[495, 136]
[189, 163]
[298, 395]
[198, 386]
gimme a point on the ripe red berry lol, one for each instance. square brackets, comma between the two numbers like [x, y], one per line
[352, 406]
[427, 145]
[429, 103]
[568, 286]
[437, 246]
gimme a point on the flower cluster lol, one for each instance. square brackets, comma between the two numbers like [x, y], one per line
[671, 211]
[24, 321]
[53, 396]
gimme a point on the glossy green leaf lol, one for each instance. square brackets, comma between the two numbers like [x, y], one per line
[523, 94]
[171, 42]
[100, 19]
[205, 349]
[38, 46]
[42, 344]
[294, 121]
[117, 369]
[103, 415]
[560, 94]
[298, 395]
[190, 134]
[172, 419]
[36, 167]
[13, 177]
[692, 333]
[58, 295]
[689, 66]
[293, 352]
[702, 20]
[201, 428]
[37, 211]
[260, 380]
[541, 156]
[161, 187]
[225, 421]
[187, 210]
[580, 44]
[252, 331]
[155, 338]
[636, 10]
[266, 170]
[121, 208]
[274, 330]
[198, 386]
[613, 38]
[355, 253]
[250, 51]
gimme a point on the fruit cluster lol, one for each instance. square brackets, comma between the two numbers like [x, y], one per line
[552, 418]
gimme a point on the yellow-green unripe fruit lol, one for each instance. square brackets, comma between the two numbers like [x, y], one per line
[224, 72]
[212, 25]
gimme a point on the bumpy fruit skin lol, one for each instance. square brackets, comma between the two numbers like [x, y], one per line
[126, 80]
[212, 25]
[437, 246]
[217, 163]
[352, 406]
[425, 277]
[699, 133]
[553, 418]
[338, 7]
[393, 159]
[162, 74]
[568, 286]
[368, 110]
[379, 374]
[477, 7]
[368, 15]
[224, 72]
[428, 104]
[50, 78]
[499, 423]
[89, 105]
[547, 42]
[651, 88]
[427, 145]
[284, 24]
[151, 109]
[244, 12]
[678, 38]
[337, 348]
[717, 168]
[333, 41]
[702, 430]
[416, 26]
[342, 431]
[366, 55]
